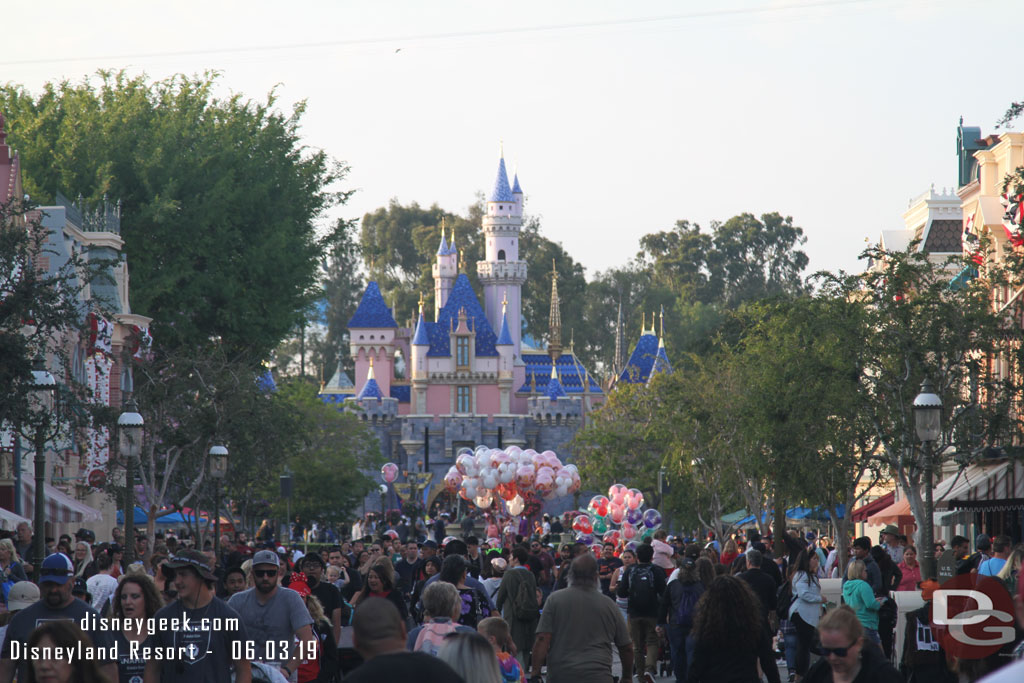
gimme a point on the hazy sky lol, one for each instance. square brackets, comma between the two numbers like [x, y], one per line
[621, 117]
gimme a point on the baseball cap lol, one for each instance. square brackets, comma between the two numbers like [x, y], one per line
[429, 544]
[266, 557]
[499, 564]
[79, 587]
[983, 542]
[86, 535]
[299, 585]
[22, 595]
[195, 559]
[57, 568]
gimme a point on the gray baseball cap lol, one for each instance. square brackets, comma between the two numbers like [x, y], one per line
[266, 557]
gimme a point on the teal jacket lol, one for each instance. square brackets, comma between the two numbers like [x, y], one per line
[858, 595]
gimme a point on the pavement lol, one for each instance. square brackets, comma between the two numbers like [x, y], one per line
[783, 674]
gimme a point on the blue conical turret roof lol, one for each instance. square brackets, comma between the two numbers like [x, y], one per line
[501, 191]
[504, 336]
[371, 389]
[422, 337]
[661, 362]
[515, 185]
[443, 249]
[554, 390]
[372, 311]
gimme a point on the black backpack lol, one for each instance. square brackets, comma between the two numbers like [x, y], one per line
[642, 594]
[784, 599]
[687, 605]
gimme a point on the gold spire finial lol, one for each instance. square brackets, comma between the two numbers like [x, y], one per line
[369, 373]
[421, 303]
[572, 340]
[661, 333]
[504, 302]
[554, 371]
[555, 318]
[501, 148]
[643, 322]
[462, 256]
[442, 228]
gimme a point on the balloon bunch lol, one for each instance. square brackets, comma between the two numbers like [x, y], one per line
[389, 472]
[619, 516]
[511, 474]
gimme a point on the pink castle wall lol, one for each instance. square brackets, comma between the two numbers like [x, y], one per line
[488, 400]
[439, 400]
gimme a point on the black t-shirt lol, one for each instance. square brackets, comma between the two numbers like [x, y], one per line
[407, 667]
[329, 597]
[606, 567]
[129, 670]
[25, 621]
[407, 573]
[213, 631]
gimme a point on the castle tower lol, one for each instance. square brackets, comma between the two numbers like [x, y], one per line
[420, 345]
[620, 346]
[505, 345]
[501, 272]
[446, 269]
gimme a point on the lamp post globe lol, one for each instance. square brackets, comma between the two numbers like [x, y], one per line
[928, 425]
[41, 403]
[129, 433]
[218, 470]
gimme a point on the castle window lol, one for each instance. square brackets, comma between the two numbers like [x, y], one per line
[462, 400]
[462, 352]
[501, 254]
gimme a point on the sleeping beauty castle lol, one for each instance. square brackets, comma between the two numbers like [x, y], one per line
[468, 376]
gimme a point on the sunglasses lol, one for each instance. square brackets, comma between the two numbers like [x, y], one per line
[264, 572]
[837, 651]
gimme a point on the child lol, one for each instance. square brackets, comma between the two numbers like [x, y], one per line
[495, 629]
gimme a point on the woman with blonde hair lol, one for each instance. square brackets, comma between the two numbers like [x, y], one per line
[1010, 572]
[10, 565]
[858, 595]
[730, 551]
[472, 657]
[83, 558]
[325, 665]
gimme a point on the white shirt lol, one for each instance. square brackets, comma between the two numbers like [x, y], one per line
[101, 587]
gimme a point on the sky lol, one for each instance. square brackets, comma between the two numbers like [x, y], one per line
[621, 118]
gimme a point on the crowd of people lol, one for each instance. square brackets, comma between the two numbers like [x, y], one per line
[434, 607]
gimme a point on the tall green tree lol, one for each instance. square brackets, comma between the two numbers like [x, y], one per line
[220, 198]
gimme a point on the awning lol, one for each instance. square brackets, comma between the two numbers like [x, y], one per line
[966, 274]
[982, 486]
[734, 517]
[878, 504]
[10, 520]
[60, 507]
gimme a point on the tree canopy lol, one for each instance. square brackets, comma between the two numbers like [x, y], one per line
[220, 198]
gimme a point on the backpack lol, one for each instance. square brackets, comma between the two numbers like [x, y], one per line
[784, 599]
[687, 605]
[524, 603]
[471, 607]
[431, 637]
[642, 594]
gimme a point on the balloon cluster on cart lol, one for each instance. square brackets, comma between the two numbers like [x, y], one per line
[618, 517]
[484, 475]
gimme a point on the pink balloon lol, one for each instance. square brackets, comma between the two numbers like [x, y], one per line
[389, 472]
[628, 531]
[524, 477]
[617, 512]
[635, 499]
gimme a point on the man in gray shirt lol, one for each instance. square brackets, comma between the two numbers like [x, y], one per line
[273, 616]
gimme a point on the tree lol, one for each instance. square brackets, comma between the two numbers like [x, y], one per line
[191, 401]
[919, 325]
[333, 465]
[219, 196]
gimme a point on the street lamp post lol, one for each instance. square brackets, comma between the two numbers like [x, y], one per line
[286, 493]
[129, 427]
[928, 424]
[42, 395]
[218, 470]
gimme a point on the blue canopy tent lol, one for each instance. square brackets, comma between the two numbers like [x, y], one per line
[818, 514]
[170, 518]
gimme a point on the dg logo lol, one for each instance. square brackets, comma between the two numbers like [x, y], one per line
[973, 616]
